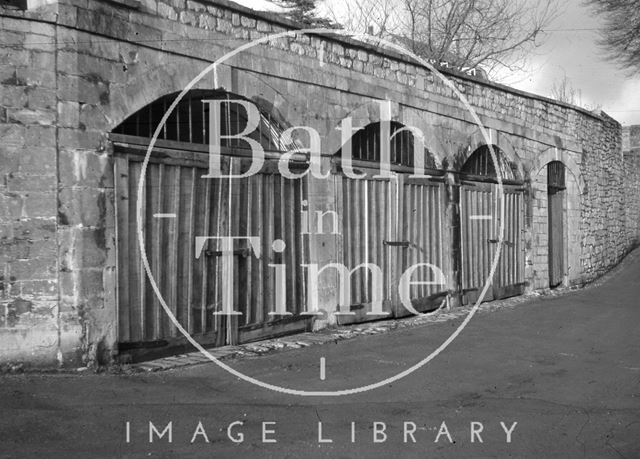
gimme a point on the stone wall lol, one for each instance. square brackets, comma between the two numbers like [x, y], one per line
[631, 152]
[28, 191]
[72, 71]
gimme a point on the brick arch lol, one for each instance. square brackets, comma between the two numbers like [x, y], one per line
[554, 154]
[477, 140]
[368, 113]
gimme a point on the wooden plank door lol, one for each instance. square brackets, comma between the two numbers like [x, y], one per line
[555, 203]
[509, 276]
[177, 207]
[480, 214]
[421, 229]
[180, 205]
[368, 209]
[477, 222]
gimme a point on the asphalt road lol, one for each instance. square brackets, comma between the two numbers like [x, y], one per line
[566, 369]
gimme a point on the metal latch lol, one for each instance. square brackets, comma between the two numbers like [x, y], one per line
[240, 252]
[404, 244]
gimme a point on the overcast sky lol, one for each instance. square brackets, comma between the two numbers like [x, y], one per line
[570, 49]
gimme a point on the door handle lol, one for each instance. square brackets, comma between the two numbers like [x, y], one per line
[493, 241]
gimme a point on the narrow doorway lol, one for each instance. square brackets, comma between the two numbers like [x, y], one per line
[555, 193]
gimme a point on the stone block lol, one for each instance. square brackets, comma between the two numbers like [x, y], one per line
[68, 114]
[67, 14]
[38, 160]
[12, 38]
[148, 6]
[9, 160]
[82, 284]
[93, 117]
[12, 135]
[31, 183]
[102, 22]
[263, 26]
[206, 21]
[82, 206]
[26, 249]
[78, 139]
[196, 6]
[40, 136]
[13, 96]
[41, 60]
[39, 287]
[84, 168]
[34, 229]
[90, 89]
[39, 43]
[247, 22]
[28, 116]
[224, 26]
[188, 17]
[92, 248]
[8, 76]
[11, 208]
[41, 204]
[12, 56]
[39, 98]
[39, 78]
[34, 268]
[81, 248]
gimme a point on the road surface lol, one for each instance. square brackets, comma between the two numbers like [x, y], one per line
[564, 369]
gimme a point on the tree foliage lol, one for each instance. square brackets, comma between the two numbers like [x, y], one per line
[466, 33]
[620, 36]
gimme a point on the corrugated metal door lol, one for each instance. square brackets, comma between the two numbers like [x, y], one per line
[367, 210]
[421, 222]
[393, 223]
[179, 206]
[480, 222]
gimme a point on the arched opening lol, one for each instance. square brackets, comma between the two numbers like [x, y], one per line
[484, 210]
[481, 166]
[366, 145]
[180, 204]
[556, 186]
[189, 121]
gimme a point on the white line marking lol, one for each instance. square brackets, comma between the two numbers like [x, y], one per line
[322, 368]
[481, 217]
[164, 215]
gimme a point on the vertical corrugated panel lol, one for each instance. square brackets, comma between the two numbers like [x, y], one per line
[422, 220]
[366, 220]
[265, 206]
[122, 199]
[556, 237]
[512, 258]
[476, 250]
[476, 229]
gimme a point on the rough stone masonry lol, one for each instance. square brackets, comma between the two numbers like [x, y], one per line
[72, 70]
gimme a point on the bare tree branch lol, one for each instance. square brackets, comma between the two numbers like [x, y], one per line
[620, 36]
[466, 33]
